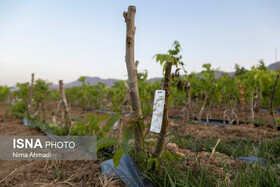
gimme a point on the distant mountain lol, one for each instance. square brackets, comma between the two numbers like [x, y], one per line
[274, 66]
[90, 80]
[110, 82]
[154, 79]
[220, 73]
[94, 81]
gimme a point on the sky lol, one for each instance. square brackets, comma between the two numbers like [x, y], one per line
[66, 39]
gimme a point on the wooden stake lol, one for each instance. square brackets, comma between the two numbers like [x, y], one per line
[66, 112]
[29, 101]
[187, 108]
[252, 107]
[44, 107]
[202, 108]
[271, 104]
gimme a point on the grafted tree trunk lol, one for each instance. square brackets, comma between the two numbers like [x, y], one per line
[208, 117]
[10, 97]
[187, 108]
[29, 101]
[66, 112]
[118, 127]
[242, 99]
[162, 135]
[189, 104]
[271, 104]
[126, 103]
[252, 107]
[37, 109]
[126, 106]
[44, 107]
[231, 110]
[129, 17]
[260, 99]
[202, 108]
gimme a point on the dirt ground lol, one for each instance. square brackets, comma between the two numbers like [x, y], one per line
[45, 173]
[241, 132]
[87, 173]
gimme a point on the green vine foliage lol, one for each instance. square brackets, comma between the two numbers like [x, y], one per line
[91, 126]
[4, 92]
[172, 55]
[123, 146]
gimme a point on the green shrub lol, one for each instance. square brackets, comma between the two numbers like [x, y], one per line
[19, 109]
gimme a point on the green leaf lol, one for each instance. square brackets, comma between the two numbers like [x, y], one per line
[127, 134]
[105, 142]
[170, 179]
[142, 124]
[150, 163]
[124, 146]
[104, 117]
[117, 157]
[111, 122]
[101, 134]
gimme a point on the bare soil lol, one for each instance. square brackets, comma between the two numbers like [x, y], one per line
[87, 173]
[45, 173]
[241, 132]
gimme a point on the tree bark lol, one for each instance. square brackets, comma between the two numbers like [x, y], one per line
[162, 135]
[37, 101]
[260, 100]
[66, 112]
[202, 108]
[242, 98]
[252, 107]
[271, 103]
[44, 107]
[129, 17]
[187, 108]
[233, 114]
[29, 101]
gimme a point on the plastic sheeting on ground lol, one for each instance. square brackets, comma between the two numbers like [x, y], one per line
[26, 122]
[252, 159]
[214, 123]
[125, 171]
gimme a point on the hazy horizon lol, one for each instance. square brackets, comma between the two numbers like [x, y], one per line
[67, 39]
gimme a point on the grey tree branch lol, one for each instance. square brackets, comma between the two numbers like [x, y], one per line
[129, 17]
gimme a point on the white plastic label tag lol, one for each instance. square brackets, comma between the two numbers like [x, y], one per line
[158, 111]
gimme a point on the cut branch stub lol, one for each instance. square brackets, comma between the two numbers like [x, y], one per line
[66, 112]
[129, 17]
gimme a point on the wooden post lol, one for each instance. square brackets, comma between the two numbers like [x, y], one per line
[29, 101]
[187, 108]
[199, 116]
[271, 104]
[44, 107]
[252, 107]
[162, 135]
[129, 17]
[66, 112]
